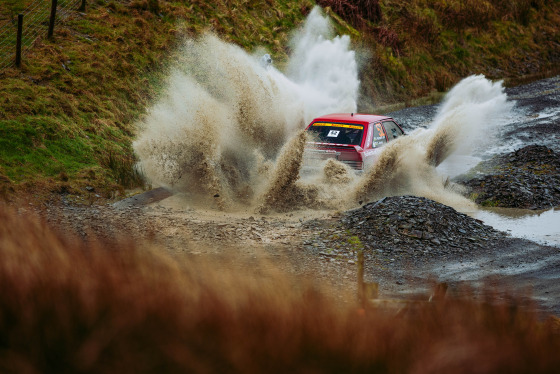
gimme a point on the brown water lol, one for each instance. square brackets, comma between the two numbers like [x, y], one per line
[542, 226]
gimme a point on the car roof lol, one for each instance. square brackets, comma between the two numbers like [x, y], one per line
[355, 117]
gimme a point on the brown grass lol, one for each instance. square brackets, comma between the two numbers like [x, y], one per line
[418, 46]
[106, 308]
[357, 12]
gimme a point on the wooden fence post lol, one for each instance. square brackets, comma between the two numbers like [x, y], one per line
[52, 19]
[361, 293]
[82, 7]
[18, 42]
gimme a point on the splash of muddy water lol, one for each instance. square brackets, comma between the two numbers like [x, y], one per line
[228, 130]
[406, 165]
[218, 129]
[468, 115]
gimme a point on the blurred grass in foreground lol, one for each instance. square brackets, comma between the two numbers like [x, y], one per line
[128, 307]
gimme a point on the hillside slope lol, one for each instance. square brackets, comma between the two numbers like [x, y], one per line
[67, 116]
[422, 45]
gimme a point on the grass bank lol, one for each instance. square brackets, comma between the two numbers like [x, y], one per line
[67, 116]
[419, 47]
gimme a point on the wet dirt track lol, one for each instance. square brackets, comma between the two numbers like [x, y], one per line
[315, 245]
[514, 263]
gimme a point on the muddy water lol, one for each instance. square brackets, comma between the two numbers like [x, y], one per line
[542, 227]
[224, 130]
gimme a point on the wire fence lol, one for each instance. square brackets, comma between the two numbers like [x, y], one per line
[35, 27]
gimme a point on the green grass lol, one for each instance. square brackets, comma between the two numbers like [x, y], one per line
[72, 106]
[41, 147]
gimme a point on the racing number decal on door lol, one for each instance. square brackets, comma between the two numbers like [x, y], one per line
[379, 129]
[333, 133]
[378, 136]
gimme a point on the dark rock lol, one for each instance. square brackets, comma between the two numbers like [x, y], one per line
[521, 179]
[438, 224]
[416, 234]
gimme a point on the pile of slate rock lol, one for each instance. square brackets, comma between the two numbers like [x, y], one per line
[413, 226]
[528, 178]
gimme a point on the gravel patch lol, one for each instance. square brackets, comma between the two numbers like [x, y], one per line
[410, 226]
[528, 178]
[400, 231]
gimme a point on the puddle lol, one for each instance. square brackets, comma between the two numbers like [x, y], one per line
[542, 227]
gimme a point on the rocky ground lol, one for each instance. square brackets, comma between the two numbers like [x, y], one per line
[234, 239]
[401, 231]
[528, 178]
[413, 228]
[409, 243]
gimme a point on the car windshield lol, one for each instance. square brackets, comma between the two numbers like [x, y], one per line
[338, 133]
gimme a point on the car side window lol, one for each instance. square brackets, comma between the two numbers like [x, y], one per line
[378, 135]
[393, 131]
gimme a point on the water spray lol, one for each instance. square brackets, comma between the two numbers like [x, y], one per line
[232, 128]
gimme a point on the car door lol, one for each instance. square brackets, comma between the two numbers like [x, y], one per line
[375, 140]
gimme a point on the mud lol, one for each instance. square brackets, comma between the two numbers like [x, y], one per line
[469, 251]
[407, 165]
[248, 208]
[236, 240]
[527, 177]
[124, 306]
[223, 131]
[283, 192]
[321, 245]
[534, 119]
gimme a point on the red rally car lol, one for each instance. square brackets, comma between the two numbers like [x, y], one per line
[351, 138]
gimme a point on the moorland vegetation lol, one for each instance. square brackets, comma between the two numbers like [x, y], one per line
[67, 115]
